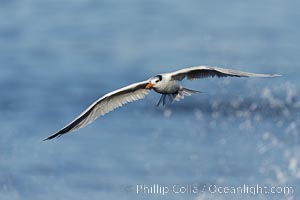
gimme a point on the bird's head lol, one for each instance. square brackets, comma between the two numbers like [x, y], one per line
[153, 81]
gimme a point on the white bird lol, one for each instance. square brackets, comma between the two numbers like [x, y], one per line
[166, 84]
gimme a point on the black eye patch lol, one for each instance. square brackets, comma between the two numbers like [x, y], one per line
[159, 77]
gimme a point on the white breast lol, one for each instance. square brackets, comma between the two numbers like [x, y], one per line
[167, 85]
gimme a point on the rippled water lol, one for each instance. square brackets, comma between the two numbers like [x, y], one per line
[57, 57]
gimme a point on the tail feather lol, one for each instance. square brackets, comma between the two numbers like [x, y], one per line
[185, 92]
[189, 92]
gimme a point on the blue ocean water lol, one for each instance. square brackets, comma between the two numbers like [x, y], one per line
[57, 57]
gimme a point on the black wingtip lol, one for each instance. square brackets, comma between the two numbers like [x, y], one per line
[48, 138]
[52, 136]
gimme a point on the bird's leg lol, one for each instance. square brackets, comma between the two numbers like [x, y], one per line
[172, 97]
[160, 100]
[164, 99]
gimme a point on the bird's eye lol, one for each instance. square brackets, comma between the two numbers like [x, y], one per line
[156, 81]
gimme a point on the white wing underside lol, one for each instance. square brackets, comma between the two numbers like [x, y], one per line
[104, 105]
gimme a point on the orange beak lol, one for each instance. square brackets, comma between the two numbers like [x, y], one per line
[149, 85]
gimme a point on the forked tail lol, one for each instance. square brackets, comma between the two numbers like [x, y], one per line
[185, 92]
[189, 92]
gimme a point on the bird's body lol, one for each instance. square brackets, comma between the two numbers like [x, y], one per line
[167, 84]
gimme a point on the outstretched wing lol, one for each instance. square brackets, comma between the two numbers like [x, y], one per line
[104, 105]
[206, 71]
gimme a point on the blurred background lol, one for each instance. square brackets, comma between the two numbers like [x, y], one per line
[58, 56]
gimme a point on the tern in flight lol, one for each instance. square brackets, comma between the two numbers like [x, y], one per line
[167, 84]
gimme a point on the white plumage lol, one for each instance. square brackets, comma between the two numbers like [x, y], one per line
[167, 84]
